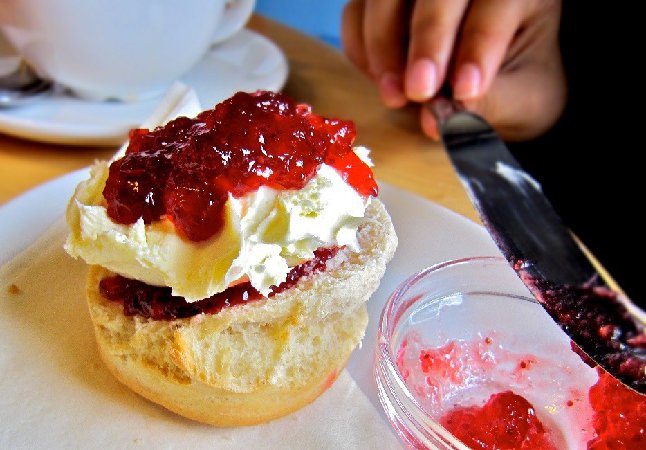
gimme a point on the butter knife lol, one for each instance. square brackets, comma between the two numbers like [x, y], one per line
[603, 323]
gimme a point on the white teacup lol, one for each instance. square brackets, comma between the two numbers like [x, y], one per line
[118, 49]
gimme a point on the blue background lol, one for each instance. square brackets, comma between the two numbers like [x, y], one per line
[319, 18]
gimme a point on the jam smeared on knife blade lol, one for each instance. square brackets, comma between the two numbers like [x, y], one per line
[594, 318]
[157, 302]
[185, 170]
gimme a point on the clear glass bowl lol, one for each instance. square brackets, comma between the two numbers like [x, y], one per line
[469, 299]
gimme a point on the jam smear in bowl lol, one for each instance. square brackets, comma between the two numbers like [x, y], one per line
[466, 358]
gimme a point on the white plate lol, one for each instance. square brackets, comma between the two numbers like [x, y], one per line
[54, 392]
[245, 62]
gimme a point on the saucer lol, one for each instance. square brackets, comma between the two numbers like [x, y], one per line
[247, 61]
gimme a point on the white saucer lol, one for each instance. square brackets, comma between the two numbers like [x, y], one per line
[245, 62]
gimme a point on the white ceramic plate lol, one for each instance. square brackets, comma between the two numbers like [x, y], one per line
[245, 62]
[54, 392]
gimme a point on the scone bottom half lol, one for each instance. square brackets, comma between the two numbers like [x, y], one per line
[257, 360]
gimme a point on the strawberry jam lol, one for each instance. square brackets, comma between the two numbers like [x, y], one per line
[185, 170]
[620, 415]
[506, 421]
[156, 302]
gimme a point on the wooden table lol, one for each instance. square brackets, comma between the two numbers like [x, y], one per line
[319, 75]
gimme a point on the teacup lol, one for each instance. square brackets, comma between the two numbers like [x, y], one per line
[118, 49]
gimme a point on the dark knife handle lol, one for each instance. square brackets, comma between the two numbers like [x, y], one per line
[443, 106]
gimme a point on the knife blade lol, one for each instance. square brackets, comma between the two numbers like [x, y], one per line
[603, 323]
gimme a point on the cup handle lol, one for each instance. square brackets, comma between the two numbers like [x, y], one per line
[9, 58]
[235, 16]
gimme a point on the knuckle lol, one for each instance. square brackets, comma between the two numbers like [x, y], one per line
[545, 7]
[481, 34]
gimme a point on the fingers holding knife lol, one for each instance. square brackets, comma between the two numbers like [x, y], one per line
[500, 56]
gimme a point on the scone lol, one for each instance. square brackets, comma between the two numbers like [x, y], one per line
[232, 257]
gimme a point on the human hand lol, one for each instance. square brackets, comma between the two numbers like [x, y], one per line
[501, 57]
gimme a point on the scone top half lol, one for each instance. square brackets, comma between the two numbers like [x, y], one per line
[242, 193]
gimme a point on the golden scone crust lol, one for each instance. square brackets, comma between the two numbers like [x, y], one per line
[255, 362]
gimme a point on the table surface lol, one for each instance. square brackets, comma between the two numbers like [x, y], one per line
[319, 75]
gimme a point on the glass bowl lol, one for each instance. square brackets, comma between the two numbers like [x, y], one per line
[476, 316]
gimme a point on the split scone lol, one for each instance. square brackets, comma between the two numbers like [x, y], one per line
[232, 255]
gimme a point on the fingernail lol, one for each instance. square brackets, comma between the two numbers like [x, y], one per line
[421, 80]
[391, 90]
[467, 81]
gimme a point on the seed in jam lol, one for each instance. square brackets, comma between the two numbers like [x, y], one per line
[185, 170]
[157, 302]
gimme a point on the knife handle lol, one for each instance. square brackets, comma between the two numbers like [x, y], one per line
[443, 105]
